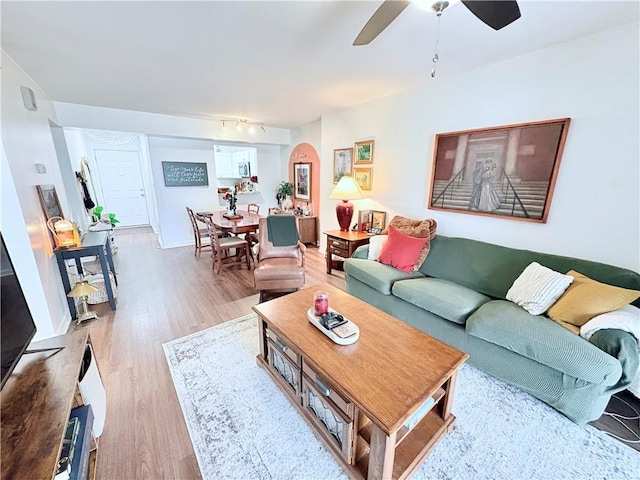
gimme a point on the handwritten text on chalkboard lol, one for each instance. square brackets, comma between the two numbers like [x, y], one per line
[185, 174]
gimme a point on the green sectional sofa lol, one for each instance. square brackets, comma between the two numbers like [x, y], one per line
[458, 297]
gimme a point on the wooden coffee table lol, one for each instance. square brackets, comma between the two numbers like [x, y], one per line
[361, 399]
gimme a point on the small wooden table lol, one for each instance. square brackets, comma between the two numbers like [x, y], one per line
[343, 244]
[358, 398]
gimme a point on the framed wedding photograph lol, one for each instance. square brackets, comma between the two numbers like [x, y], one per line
[364, 152]
[507, 171]
[342, 163]
[302, 181]
[363, 177]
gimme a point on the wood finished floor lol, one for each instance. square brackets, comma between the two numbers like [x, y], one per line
[164, 295]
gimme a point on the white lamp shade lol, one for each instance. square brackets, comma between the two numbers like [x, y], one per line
[347, 189]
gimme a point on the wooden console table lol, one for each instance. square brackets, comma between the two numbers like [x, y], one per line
[36, 402]
[343, 244]
[93, 244]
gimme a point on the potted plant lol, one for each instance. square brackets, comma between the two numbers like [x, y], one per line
[285, 190]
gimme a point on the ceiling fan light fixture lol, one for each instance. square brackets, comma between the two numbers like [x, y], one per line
[439, 7]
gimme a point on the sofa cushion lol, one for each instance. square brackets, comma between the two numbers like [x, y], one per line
[415, 228]
[402, 251]
[446, 299]
[543, 340]
[586, 298]
[537, 288]
[375, 246]
[491, 269]
[376, 275]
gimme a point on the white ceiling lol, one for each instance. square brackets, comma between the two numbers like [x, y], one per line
[281, 63]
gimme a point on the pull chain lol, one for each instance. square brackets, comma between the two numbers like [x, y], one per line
[436, 57]
[438, 8]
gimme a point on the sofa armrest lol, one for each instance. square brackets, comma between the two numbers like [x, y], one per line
[621, 345]
[361, 252]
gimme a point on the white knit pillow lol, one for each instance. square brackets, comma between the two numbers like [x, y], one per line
[375, 246]
[537, 288]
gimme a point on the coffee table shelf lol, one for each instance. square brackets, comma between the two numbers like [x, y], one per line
[354, 397]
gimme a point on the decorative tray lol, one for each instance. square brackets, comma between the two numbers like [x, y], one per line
[346, 328]
[231, 217]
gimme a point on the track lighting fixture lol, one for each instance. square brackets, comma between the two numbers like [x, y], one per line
[242, 124]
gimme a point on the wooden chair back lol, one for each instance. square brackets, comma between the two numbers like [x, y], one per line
[253, 208]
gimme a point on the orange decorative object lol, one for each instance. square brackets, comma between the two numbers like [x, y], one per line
[63, 231]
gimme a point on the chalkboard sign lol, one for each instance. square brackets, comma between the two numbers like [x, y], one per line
[185, 174]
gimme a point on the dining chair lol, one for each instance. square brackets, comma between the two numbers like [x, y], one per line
[221, 247]
[252, 237]
[280, 268]
[201, 235]
[253, 208]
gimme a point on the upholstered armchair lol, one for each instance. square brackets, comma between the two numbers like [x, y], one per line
[279, 268]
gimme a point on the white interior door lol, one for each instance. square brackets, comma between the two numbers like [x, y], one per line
[122, 186]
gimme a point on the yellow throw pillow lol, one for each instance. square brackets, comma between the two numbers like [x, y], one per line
[585, 298]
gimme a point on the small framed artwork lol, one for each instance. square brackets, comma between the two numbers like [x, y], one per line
[302, 181]
[342, 163]
[49, 201]
[364, 152]
[378, 221]
[505, 171]
[364, 220]
[363, 176]
[244, 169]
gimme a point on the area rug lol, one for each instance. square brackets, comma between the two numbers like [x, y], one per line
[242, 426]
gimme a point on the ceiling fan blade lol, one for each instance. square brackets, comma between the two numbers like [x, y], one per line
[386, 13]
[497, 13]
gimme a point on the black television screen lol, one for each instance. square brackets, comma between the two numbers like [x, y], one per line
[16, 324]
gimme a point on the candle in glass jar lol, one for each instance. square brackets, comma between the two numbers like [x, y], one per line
[321, 302]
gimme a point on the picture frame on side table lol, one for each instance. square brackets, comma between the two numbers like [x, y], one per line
[363, 177]
[378, 221]
[302, 181]
[364, 220]
[342, 163]
[363, 152]
[507, 171]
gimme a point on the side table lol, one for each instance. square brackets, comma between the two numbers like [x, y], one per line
[93, 244]
[343, 244]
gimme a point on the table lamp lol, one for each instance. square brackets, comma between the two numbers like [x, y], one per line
[346, 189]
[82, 290]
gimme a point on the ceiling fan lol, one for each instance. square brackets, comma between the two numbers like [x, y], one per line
[495, 13]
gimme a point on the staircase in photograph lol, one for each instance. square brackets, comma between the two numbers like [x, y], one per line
[531, 194]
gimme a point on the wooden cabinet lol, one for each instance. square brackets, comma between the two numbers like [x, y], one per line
[226, 166]
[36, 402]
[307, 229]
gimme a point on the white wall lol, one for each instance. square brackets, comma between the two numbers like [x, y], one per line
[595, 213]
[100, 118]
[27, 140]
[85, 142]
[175, 228]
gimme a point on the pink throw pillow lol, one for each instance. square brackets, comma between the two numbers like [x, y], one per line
[401, 251]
